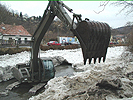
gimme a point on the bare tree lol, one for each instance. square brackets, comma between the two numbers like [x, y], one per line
[127, 6]
[127, 9]
[129, 23]
[103, 4]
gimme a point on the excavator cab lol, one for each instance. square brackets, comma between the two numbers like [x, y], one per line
[46, 71]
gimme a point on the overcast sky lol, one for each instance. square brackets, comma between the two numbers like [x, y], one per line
[86, 8]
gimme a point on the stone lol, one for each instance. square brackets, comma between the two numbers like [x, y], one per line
[4, 93]
[110, 84]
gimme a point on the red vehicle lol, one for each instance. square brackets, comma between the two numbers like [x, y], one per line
[53, 43]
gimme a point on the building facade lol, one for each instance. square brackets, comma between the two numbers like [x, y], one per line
[14, 34]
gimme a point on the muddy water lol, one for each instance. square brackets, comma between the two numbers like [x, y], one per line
[21, 93]
[65, 70]
[16, 94]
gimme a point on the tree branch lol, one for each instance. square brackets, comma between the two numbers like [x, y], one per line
[102, 4]
[126, 6]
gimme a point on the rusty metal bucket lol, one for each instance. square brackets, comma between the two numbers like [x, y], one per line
[94, 38]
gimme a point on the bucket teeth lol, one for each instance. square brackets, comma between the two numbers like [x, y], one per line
[85, 61]
[104, 59]
[90, 61]
[95, 60]
[99, 60]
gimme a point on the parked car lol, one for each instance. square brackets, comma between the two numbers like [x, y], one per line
[53, 43]
[67, 43]
[75, 43]
[111, 43]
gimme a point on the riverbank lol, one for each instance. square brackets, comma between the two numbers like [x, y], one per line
[14, 50]
[11, 51]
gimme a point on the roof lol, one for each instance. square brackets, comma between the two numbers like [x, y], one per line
[6, 29]
[45, 58]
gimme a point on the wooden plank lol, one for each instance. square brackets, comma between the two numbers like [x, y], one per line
[36, 88]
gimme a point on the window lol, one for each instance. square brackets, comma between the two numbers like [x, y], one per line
[3, 28]
[25, 40]
[51, 42]
[48, 64]
[19, 40]
[10, 38]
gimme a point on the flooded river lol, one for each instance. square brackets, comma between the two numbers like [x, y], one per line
[21, 93]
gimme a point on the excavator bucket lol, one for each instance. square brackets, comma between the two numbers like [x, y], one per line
[94, 38]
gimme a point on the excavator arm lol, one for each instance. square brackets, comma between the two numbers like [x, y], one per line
[46, 21]
[93, 36]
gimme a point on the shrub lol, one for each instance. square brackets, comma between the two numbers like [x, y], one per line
[12, 50]
[130, 41]
[56, 47]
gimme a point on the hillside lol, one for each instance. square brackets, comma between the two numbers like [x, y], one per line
[31, 23]
[122, 30]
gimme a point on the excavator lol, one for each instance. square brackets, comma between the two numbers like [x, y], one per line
[93, 36]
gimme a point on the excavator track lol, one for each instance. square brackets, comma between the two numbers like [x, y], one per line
[32, 91]
[13, 85]
[36, 88]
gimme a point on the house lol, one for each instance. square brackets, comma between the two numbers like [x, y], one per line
[14, 34]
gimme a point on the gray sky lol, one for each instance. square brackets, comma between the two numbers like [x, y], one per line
[85, 8]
